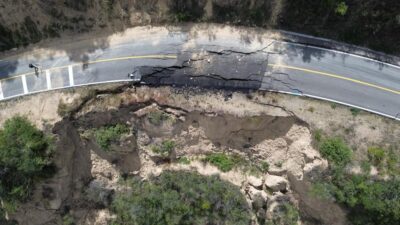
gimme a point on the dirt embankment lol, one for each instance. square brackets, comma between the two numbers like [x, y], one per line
[87, 176]
[259, 127]
[28, 21]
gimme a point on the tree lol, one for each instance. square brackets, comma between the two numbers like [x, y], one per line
[24, 154]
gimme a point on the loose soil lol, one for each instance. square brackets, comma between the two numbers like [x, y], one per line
[259, 126]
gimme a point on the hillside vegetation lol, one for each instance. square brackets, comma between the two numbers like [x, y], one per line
[371, 23]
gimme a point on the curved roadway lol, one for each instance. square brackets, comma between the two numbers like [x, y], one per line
[221, 57]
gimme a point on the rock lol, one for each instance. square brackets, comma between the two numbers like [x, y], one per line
[175, 112]
[258, 198]
[315, 168]
[276, 183]
[143, 139]
[255, 182]
[99, 217]
[277, 171]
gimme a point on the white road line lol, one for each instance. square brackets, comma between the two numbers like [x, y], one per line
[48, 80]
[71, 76]
[335, 101]
[1, 92]
[340, 52]
[24, 85]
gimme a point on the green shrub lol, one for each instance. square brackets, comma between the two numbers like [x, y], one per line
[366, 167]
[321, 190]
[355, 111]
[68, 220]
[63, 109]
[181, 198]
[318, 136]
[336, 151]
[105, 136]
[288, 216]
[184, 160]
[25, 154]
[264, 167]
[223, 161]
[165, 149]
[376, 155]
[370, 202]
[157, 117]
[341, 8]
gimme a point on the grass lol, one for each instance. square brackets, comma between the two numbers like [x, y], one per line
[184, 160]
[107, 135]
[224, 162]
[355, 111]
[165, 149]
[227, 162]
[376, 155]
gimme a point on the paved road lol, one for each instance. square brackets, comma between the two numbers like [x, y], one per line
[222, 57]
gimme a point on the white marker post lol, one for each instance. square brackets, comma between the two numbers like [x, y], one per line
[24, 85]
[1, 92]
[48, 80]
[71, 76]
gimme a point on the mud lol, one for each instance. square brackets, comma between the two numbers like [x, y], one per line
[240, 132]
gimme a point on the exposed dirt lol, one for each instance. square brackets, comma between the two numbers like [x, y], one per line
[261, 127]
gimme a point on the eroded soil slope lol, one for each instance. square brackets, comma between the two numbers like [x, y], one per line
[257, 128]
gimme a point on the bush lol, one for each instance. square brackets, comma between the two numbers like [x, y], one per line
[355, 111]
[105, 136]
[371, 202]
[25, 153]
[264, 167]
[288, 216]
[336, 151]
[376, 155]
[181, 198]
[223, 161]
[157, 117]
[184, 160]
[165, 149]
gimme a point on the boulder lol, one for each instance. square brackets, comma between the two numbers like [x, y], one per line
[255, 182]
[277, 171]
[258, 198]
[275, 183]
[315, 168]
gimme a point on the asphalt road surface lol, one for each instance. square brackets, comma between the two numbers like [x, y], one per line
[222, 57]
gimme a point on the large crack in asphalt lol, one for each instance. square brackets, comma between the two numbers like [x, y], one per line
[225, 69]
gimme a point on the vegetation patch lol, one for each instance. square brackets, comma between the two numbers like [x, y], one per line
[105, 136]
[165, 149]
[25, 156]
[376, 155]
[288, 215]
[336, 151]
[227, 162]
[157, 117]
[223, 161]
[184, 160]
[370, 200]
[181, 198]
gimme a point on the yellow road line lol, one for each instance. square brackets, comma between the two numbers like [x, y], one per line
[100, 61]
[336, 76]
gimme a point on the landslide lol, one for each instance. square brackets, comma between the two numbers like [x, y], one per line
[371, 23]
[88, 176]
